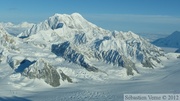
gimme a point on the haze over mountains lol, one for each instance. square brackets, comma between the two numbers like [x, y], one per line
[172, 40]
[178, 50]
[14, 29]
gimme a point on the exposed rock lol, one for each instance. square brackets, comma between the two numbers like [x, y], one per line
[1, 56]
[7, 41]
[42, 70]
[64, 50]
[65, 77]
[80, 38]
[115, 58]
[148, 63]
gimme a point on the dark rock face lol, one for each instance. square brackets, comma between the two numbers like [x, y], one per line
[65, 77]
[115, 58]
[40, 69]
[43, 70]
[59, 25]
[1, 56]
[50, 75]
[147, 63]
[98, 42]
[64, 50]
[80, 38]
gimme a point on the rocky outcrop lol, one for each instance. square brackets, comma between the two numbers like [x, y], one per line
[39, 69]
[64, 77]
[64, 50]
[114, 57]
[7, 41]
[42, 70]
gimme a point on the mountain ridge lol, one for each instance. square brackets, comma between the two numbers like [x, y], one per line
[84, 35]
[170, 41]
[73, 42]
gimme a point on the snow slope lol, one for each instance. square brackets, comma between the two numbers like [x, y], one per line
[170, 41]
[151, 81]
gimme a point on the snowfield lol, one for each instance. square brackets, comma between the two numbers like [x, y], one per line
[153, 81]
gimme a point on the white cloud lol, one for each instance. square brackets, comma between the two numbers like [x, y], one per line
[135, 18]
[159, 24]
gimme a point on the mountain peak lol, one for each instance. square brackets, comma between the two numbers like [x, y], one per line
[73, 21]
[176, 33]
[73, 14]
[170, 41]
[67, 22]
[76, 14]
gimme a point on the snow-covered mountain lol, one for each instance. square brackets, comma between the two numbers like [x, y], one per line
[15, 29]
[76, 40]
[170, 41]
[12, 56]
[7, 42]
[68, 48]
[83, 62]
[43, 70]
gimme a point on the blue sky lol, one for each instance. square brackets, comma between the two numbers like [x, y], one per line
[139, 16]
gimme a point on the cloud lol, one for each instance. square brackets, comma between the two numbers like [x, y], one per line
[138, 23]
[156, 19]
